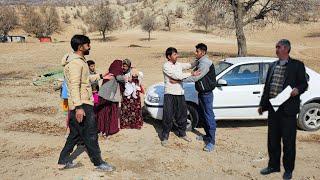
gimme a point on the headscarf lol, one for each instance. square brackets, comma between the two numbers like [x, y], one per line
[128, 63]
[115, 68]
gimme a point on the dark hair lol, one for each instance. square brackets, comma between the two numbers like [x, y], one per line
[78, 40]
[285, 42]
[202, 47]
[90, 62]
[170, 51]
[95, 87]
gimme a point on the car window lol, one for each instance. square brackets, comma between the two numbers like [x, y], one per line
[221, 66]
[265, 68]
[247, 74]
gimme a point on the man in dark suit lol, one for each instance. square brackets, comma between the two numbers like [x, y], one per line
[282, 123]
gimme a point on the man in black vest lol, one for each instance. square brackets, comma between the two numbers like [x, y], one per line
[282, 123]
[204, 84]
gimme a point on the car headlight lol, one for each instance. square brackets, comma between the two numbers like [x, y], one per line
[153, 99]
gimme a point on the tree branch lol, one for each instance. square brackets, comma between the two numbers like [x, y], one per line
[248, 5]
[264, 11]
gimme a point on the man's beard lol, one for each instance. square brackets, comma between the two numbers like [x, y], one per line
[86, 52]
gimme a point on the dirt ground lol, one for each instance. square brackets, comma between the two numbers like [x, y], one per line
[32, 124]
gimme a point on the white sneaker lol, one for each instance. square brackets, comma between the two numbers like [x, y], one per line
[105, 167]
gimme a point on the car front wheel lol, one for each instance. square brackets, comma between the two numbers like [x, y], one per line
[309, 117]
[192, 118]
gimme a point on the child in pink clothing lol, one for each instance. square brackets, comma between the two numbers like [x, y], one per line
[95, 96]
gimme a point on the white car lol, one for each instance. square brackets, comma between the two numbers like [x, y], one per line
[240, 83]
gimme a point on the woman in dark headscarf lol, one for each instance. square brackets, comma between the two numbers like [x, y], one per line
[130, 111]
[107, 110]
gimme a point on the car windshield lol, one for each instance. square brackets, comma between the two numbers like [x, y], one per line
[221, 66]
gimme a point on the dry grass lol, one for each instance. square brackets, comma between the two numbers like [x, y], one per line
[42, 110]
[313, 35]
[310, 138]
[13, 75]
[37, 126]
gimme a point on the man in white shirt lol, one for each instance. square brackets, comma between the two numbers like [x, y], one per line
[174, 105]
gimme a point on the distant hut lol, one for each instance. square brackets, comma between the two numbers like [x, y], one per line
[45, 39]
[20, 39]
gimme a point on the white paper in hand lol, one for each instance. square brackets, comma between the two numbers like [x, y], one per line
[282, 97]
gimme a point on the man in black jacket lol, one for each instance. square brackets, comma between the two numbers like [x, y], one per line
[282, 123]
[204, 84]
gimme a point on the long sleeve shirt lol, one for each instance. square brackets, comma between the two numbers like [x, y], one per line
[175, 71]
[204, 66]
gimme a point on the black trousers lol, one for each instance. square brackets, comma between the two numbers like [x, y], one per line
[174, 108]
[282, 126]
[86, 131]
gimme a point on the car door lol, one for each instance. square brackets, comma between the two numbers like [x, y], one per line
[240, 98]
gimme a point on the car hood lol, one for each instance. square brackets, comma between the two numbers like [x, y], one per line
[157, 90]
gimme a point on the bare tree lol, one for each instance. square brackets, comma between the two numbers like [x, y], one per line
[32, 21]
[148, 24]
[204, 16]
[83, 29]
[136, 17]
[300, 11]
[179, 12]
[119, 3]
[168, 18]
[8, 20]
[42, 23]
[51, 20]
[78, 13]
[251, 12]
[66, 18]
[103, 18]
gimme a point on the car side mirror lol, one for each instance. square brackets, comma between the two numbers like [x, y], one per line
[222, 82]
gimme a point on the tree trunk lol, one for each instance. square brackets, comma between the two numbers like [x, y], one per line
[168, 23]
[238, 21]
[103, 35]
[206, 27]
[149, 35]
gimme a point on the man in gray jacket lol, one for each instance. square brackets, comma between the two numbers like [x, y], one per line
[204, 84]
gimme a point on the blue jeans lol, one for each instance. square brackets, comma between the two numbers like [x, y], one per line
[206, 112]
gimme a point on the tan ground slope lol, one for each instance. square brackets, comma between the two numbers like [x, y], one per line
[31, 121]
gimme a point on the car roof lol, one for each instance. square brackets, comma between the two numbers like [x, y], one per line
[240, 60]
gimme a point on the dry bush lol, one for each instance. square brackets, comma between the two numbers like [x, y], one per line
[66, 18]
[136, 17]
[179, 12]
[83, 30]
[119, 3]
[8, 20]
[103, 18]
[299, 11]
[121, 14]
[41, 23]
[149, 24]
[206, 19]
[78, 13]
[168, 18]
